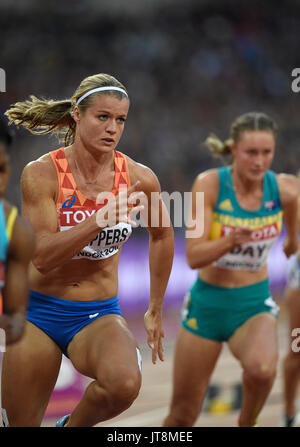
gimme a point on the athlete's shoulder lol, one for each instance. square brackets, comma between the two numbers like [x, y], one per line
[138, 168]
[39, 175]
[42, 166]
[289, 187]
[142, 173]
[288, 179]
[207, 179]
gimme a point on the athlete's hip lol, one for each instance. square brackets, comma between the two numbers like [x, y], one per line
[214, 296]
[61, 319]
[222, 277]
[215, 312]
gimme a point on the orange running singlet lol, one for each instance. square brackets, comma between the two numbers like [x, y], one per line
[73, 207]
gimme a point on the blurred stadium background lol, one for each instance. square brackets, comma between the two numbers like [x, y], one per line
[190, 67]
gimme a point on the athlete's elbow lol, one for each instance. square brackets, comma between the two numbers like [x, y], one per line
[196, 261]
[192, 262]
[193, 266]
[41, 268]
[41, 265]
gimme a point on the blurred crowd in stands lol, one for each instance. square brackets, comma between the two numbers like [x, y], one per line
[191, 68]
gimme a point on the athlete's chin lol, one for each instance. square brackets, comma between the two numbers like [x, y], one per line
[256, 175]
[103, 148]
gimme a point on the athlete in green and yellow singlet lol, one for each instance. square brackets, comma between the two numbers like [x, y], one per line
[244, 204]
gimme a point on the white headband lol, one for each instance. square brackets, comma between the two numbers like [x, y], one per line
[101, 89]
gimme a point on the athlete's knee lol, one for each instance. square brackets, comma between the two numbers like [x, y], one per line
[121, 387]
[117, 395]
[124, 391]
[261, 370]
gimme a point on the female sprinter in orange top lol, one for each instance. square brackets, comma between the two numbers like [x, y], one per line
[74, 274]
[230, 300]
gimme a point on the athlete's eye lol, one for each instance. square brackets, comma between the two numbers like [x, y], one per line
[102, 117]
[267, 152]
[251, 152]
[121, 120]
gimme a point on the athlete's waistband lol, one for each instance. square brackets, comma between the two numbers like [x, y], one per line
[260, 284]
[230, 296]
[62, 302]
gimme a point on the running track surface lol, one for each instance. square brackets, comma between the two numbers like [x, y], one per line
[151, 406]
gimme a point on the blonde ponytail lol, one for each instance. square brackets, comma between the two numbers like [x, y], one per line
[42, 117]
[217, 147]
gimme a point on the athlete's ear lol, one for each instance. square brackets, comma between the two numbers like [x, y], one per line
[232, 146]
[76, 114]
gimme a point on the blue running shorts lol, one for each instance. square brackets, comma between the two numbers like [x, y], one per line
[61, 319]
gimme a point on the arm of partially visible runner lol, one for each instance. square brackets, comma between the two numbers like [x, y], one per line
[161, 252]
[289, 189]
[15, 293]
[201, 251]
[298, 178]
[53, 248]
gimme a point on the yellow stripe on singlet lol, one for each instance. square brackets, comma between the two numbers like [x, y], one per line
[10, 221]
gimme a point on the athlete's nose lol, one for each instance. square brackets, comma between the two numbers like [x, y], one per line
[111, 126]
[259, 161]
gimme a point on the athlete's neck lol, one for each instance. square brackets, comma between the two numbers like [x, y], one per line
[243, 185]
[90, 164]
